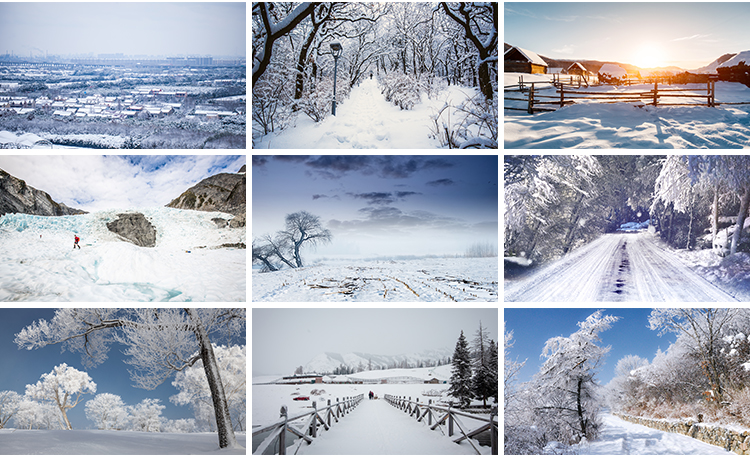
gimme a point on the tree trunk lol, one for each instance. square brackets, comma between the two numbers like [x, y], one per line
[715, 215]
[574, 222]
[300, 78]
[211, 367]
[581, 420]
[690, 225]
[744, 202]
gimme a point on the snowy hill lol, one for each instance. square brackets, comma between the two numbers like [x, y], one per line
[737, 59]
[327, 362]
[193, 260]
[714, 65]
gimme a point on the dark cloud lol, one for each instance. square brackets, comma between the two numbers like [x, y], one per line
[388, 218]
[374, 198]
[317, 197]
[259, 160]
[440, 183]
[392, 167]
[406, 194]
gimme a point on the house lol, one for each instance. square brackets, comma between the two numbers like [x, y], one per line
[300, 379]
[517, 59]
[432, 380]
[577, 68]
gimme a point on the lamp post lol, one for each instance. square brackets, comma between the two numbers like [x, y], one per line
[336, 52]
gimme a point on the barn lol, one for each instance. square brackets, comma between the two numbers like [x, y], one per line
[577, 68]
[517, 59]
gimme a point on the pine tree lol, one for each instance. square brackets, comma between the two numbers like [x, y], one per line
[494, 366]
[482, 382]
[461, 372]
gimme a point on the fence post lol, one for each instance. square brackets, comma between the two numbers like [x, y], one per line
[493, 431]
[328, 416]
[429, 412]
[314, 423]
[282, 435]
[450, 421]
[338, 408]
[531, 99]
[562, 95]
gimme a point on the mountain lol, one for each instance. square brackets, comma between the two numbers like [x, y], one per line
[18, 197]
[711, 68]
[327, 362]
[223, 192]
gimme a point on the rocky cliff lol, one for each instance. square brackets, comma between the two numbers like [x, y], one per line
[223, 192]
[18, 197]
[134, 228]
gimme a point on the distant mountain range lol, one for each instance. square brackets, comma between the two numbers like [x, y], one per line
[327, 362]
[16, 196]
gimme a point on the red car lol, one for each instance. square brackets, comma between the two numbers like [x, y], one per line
[301, 398]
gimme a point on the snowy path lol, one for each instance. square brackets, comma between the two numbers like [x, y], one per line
[616, 267]
[364, 120]
[375, 427]
[621, 437]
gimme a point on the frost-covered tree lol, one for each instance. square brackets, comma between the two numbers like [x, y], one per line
[461, 372]
[63, 387]
[10, 401]
[159, 342]
[194, 388]
[180, 426]
[146, 416]
[107, 412]
[566, 383]
[35, 415]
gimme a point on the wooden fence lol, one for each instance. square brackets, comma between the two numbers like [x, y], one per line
[326, 417]
[435, 416]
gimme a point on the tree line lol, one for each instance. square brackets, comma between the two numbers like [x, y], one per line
[474, 370]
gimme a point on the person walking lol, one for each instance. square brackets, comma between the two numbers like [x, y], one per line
[75, 244]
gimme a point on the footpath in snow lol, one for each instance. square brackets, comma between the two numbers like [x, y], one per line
[375, 427]
[622, 437]
[366, 120]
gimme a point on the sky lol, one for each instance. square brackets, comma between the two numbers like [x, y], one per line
[286, 338]
[532, 327]
[98, 182]
[645, 34]
[27, 366]
[130, 28]
[381, 205]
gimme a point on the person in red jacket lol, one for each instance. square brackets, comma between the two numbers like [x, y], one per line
[76, 243]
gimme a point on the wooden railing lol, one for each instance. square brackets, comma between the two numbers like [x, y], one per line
[435, 416]
[326, 417]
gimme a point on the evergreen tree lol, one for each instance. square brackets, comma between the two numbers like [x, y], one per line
[494, 366]
[481, 381]
[461, 372]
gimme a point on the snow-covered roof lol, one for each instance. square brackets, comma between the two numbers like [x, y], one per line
[736, 59]
[577, 65]
[529, 55]
[613, 70]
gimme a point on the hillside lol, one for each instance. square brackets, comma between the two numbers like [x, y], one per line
[327, 362]
[223, 192]
[18, 197]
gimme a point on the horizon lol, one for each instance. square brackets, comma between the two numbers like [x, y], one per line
[630, 33]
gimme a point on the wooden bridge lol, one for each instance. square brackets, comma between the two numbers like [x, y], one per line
[379, 427]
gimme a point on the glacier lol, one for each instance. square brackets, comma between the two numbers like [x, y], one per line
[188, 263]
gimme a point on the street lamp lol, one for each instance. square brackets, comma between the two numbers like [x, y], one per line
[336, 52]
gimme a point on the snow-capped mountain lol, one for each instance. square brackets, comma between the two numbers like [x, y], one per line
[737, 59]
[711, 67]
[327, 362]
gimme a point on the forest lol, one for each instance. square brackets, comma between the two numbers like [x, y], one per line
[555, 204]
[414, 50]
[702, 377]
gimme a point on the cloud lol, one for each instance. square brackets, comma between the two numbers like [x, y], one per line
[566, 19]
[566, 49]
[337, 166]
[691, 37]
[406, 194]
[374, 198]
[440, 183]
[519, 12]
[378, 219]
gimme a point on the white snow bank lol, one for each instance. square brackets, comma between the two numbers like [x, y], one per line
[38, 262]
[54, 442]
[613, 70]
[736, 59]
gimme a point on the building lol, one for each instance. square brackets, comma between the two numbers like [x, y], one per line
[577, 68]
[517, 59]
[301, 379]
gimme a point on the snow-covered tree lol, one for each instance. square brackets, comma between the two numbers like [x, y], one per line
[180, 426]
[10, 401]
[566, 382]
[64, 387]
[107, 412]
[484, 379]
[35, 415]
[461, 372]
[159, 343]
[146, 416]
[194, 388]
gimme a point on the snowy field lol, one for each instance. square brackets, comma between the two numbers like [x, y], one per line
[367, 120]
[433, 279]
[622, 437]
[38, 262]
[87, 442]
[624, 125]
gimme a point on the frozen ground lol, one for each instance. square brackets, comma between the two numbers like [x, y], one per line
[56, 442]
[366, 120]
[38, 262]
[731, 273]
[434, 279]
[616, 267]
[624, 125]
[621, 437]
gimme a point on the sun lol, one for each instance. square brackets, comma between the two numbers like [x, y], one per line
[649, 55]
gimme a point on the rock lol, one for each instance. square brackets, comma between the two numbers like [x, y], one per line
[237, 221]
[134, 228]
[225, 192]
[18, 197]
[220, 222]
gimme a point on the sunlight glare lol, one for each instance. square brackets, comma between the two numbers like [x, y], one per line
[649, 55]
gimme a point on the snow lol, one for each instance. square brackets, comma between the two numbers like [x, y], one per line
[731, 273]
[616, 267]
[429, 279]
[621, 437]
[736, 59]
[38, 262]
[67, 442]
[531, 56]
[613, 70]
[625, 125]
[367, 120]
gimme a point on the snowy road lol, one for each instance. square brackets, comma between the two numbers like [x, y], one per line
[621, 437]
[375, 427]
[616, 267]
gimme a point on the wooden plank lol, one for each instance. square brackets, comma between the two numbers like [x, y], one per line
[605, 93]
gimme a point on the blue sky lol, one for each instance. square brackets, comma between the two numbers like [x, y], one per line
[381, 205]
[96, 182]
[21, 367]
[130, 28]
[532, 327]
[684, 34]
